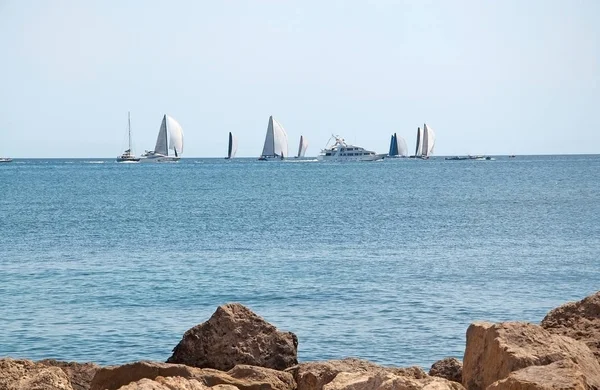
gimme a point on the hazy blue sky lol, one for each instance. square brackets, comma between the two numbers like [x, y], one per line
[503, 77]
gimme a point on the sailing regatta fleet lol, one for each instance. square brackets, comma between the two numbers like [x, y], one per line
[170, 138]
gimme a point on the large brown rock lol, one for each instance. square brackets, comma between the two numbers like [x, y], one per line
[169, 383]
[561, 375]
[579, 320]
[494, 351]
[235, 335]
[27, 375]
[388, 381]
[80, 374]
[315, 375]
[447, 368]
[242, 377]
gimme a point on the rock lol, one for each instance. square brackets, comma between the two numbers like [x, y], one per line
[315, 375]
[494, 351]
[169, 383]
[242, 377]
[447, 368]
[114, 377]
[561, 375]
[27, 375]
[80, 374]
[235, 335]
[579, 320]
[387, 381]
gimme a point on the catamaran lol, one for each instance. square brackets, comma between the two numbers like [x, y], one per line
[425, 142]
[232, 148]
[341, 151]
[302, 147]
[170, 136]
[128, 155]
[276, 145]
[397, 147]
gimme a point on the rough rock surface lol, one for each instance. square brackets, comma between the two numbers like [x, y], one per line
[27, 375]
[493, 351]
[387, 381]
[447, 368]
[80, 374]
[562, 375]
[315, 375]
[242, 377]
[579, 320]
[235, 335]
[169, 383]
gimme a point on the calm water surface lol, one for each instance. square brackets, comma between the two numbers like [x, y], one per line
[387, 261]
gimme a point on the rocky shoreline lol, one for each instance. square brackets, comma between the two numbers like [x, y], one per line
[238, 350]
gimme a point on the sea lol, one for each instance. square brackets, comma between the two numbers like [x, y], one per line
[387, 261]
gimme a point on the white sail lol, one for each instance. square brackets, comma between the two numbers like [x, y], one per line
[175, 135]
[161, 140]
[428, 140]
[276, 140]
[302, 147]
[233, 144]
[402, 148]
[280, 139]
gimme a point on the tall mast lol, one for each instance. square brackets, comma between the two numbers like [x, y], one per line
[129, 127]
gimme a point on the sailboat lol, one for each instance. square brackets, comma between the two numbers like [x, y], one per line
[128, 155]
[302, 147]
[232, 148]
[170, 136]
[276, 145]
[397, 147]
[425, 142]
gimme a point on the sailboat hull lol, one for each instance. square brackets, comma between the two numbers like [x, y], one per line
[159, 159]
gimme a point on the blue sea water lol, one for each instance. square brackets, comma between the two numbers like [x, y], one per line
[387, 261]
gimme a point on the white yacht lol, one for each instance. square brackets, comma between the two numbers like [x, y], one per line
[5, 160]
[341, 151]
[170, 136]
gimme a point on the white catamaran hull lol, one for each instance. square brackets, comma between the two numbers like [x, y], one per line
[373, 157]
[159, 159]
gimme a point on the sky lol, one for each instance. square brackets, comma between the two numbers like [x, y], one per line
[490, 77]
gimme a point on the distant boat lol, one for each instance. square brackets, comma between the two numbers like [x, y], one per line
[302, 147]
[276, 145]
[397, 147]
[469, 157]
[128, 155]
[341, 151]
[425, 142]
[170, 136]
[5, 160]
[232, 148]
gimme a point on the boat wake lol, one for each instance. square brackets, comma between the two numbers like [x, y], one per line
[93, 162]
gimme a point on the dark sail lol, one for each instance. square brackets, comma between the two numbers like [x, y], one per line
[230, 145]
[418, 141]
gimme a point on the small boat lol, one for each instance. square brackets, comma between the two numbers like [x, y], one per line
[302, 147]
[232, 148]
[5, 160]
[128, 155]
[170, 137]
[425, 142]
[397, 147]
[276, 145]
[341, 151]
[469, 157]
